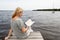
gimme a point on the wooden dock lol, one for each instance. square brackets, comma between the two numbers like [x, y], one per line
[33, 36]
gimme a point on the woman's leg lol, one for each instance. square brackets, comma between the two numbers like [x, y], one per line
[30, 29]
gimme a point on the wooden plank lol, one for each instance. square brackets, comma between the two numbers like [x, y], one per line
[29, 37]
[26, 39]
[35, 34]
[32, 36]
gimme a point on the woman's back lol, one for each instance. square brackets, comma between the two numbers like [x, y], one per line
[16, 26]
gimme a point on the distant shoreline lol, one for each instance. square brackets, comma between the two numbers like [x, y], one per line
[46, 10]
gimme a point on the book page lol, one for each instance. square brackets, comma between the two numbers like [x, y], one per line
[29, 22]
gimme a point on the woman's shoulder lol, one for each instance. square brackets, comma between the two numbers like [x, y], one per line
[17, 19]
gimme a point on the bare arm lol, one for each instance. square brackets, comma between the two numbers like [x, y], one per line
[10, 32]
[24, 29]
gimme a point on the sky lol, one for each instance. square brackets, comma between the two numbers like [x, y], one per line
[29, 4]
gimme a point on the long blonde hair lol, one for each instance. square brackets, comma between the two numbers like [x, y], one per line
[16, 11]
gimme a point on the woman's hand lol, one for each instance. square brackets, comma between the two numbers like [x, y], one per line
[24, 29]
[6, 38]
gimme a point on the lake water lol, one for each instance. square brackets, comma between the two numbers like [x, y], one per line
[46, 22]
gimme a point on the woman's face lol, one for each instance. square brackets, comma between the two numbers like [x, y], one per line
[20, 13]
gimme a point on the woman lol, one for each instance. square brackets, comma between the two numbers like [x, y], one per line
[18, 26]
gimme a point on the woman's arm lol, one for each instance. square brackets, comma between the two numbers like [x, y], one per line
[24, 29]
[9, 34]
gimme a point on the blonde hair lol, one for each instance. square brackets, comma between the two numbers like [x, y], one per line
[17, 11]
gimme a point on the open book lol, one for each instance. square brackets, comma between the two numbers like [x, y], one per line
[29, 22]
